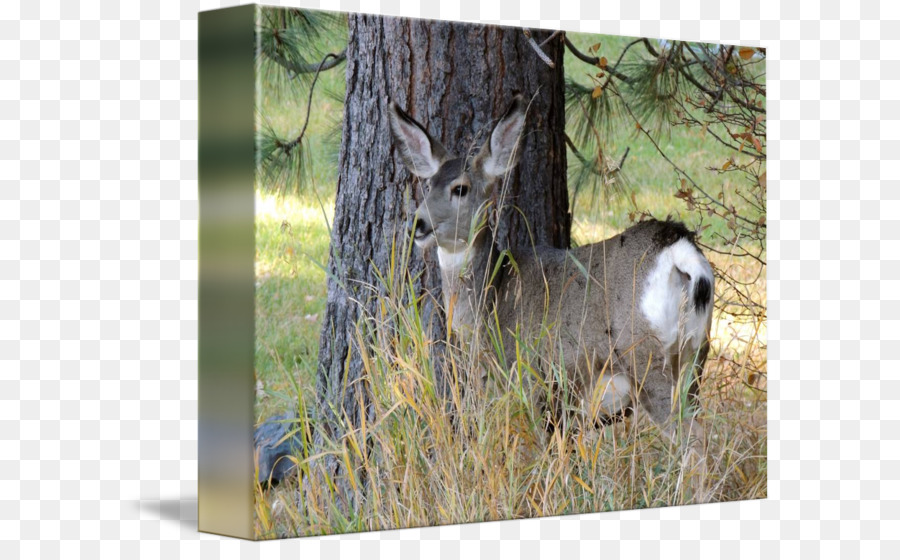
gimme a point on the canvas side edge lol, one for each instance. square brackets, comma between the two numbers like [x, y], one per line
[226, 52]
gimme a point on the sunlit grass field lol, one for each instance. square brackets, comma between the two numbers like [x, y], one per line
[499, 467]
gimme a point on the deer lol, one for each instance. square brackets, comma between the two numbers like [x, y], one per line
[629, 316]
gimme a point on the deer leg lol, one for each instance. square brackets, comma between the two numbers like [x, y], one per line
[696, 362]
[656, 394]
[695, 431]
[654, 386]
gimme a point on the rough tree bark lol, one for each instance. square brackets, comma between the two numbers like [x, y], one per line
[456, 79]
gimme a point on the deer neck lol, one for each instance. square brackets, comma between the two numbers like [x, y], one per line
[465, 278]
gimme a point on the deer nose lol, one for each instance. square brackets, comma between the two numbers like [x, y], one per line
[419, 229]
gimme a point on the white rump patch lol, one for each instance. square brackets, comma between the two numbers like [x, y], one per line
[664, 294]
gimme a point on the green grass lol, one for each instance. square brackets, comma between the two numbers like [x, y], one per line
[292, 250]
[495, 463]
[292, 238]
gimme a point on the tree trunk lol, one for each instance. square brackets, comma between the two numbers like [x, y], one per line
[456, 79]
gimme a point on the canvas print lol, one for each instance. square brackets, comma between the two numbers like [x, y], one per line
[502, 273]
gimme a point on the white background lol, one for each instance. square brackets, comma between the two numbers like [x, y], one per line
[98, 288]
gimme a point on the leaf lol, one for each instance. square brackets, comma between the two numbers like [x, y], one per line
[727, 165]
[595, 47]
[762, 180]
[602, 63]
[597, 92]
[685, 193]
[756, 143]
[746, 53]
[582, 483]
[637, 126]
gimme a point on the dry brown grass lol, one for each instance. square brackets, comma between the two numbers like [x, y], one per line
[482, 453]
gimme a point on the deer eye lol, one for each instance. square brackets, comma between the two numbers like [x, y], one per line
[459, 190]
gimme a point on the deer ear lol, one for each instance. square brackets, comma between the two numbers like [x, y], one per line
[500, 153]
[421, 154]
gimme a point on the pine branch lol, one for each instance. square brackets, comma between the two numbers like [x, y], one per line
[595, 61]
[683, 173]
[278, 157]
[290, 42]
[585, 112]
[309, 68]
[712, 75]
[312, 87]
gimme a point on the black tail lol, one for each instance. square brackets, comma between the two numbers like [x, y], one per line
[702, 293]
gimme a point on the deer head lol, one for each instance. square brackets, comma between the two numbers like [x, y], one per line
[458, 189]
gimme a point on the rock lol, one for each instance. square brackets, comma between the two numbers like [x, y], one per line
[271, 453]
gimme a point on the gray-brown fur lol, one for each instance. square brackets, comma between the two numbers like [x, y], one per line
[607, 306]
